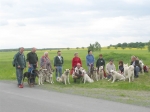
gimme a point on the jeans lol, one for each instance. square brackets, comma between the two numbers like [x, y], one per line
[136, 71]
[89, 69]
[33, 67]
[58, 70]
[19, 75]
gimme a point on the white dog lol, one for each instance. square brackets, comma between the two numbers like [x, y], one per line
[95, 75]
[100, 73]
[86, 78]
[116, 76]
[65, 77]
[142, 66]
[129, 72]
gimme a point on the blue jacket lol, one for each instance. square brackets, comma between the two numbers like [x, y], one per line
[89, 59]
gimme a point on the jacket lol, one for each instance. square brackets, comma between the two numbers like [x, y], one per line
[76, 60]
[20, 60]
[89, 59]
[100, 62]
[58, 62]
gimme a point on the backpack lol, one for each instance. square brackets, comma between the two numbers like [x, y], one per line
[14, 60]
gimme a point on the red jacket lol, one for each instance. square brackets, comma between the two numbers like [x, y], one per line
[76, 60]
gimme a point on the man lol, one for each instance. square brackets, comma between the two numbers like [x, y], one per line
[89, 60]
[110, 66]
[135, 63]
[77, 74]
[58, 63]
[32, 60]
[20, 64]
[101, 62]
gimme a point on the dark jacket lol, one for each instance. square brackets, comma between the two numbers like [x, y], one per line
[121, 68]
[136, 63]
[58, 62]
[20, 60]
[32, 58]
[100, 62]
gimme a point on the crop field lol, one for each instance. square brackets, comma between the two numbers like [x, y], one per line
[101, 89]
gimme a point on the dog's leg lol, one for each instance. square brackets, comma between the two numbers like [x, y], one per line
[68, 80]
[65, 81]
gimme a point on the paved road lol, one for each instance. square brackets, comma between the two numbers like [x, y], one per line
[14, 99]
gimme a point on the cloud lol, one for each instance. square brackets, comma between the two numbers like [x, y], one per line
[72, 23]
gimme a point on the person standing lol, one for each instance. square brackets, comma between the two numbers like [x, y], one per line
[32, 60]
[58, 63]
[46, 64]
[20, 64]
[101, 62]
[75, 61]
[89, 60]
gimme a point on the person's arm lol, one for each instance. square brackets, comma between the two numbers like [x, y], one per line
[62, 60]
[87, 61]
[80, 61]
[72, 63]
[16, 60]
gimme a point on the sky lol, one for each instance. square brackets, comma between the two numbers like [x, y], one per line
[72, 23]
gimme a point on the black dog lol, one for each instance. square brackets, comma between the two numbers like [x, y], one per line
[30, 77]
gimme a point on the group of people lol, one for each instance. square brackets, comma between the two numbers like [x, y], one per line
[45, 63]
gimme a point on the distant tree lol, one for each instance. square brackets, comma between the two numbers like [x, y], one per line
[97, 46]
[123, 47]
[68, 48]
[148, 46]
[119, 44]
[108, 47]
[77, 48]
[116, 47]
[91, 47]
[82, 47]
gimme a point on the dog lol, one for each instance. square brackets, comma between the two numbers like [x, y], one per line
[50, 76]
[129, 72]
[100, 73]
[116, 76]
[30, 77]
[65, 77]
[141, 66]
[95, 75]
[86, 78]
[40, 74]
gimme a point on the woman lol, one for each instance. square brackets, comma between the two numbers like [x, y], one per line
[75, 60]
[46, 64]
[101, 62]
[121, 68]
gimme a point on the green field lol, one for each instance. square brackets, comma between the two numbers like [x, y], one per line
[141, 84]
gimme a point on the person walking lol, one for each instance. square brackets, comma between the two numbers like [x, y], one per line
[58, 63]
[20, 64]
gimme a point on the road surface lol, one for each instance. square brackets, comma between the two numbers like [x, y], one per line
[14, 99]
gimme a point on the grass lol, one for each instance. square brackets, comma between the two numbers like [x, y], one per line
[119, 91]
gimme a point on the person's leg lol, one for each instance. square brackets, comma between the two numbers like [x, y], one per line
[60, 71]
[89, 69]
[137, 69]
[19, 75]
[57, 70]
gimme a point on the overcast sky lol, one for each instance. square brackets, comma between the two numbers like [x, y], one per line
[72, 23]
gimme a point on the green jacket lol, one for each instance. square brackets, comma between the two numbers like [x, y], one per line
[58, 62]
[20, 60]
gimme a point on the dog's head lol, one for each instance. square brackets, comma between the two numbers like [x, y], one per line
[125, 65]
[101, 68]
[83, 71]
[67, 71]
[95, 68]
[112, 71]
